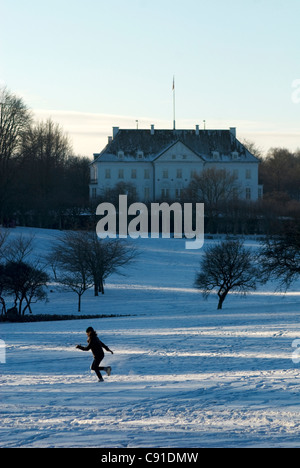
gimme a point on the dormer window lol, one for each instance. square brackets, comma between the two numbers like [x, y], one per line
[235, 155]
[140, 155]
[216, 155]
[120, 155]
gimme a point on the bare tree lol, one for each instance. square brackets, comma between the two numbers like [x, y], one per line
[2, 288]
[216, 188]
[121, 188]
[21, 276]
[76, 281]
[280, 255]
[105, 257]
[280, 174]
[213, 187]
[15, 119]
[45, 152]
[68, 260]
[3, 238]
[80, 260]
[226, 267]
[252, 147]
[19, 248]
[13, 252]
[26, 283]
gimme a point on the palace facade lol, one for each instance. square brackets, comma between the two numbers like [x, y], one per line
[162, 163]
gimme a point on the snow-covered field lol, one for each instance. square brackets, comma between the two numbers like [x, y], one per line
[184, 374]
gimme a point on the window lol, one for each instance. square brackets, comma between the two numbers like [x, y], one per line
[94, 174]
[146, 174]
[248, 193]
[147, 193]
[165, 174]
[248, 174]
[133, 173]
[107, 174]
[94, 193]
[165, 193]
[236, 173]
[184, 156]
[178, 193]
[121, 173]
[121, 155]
[173, 156]
[179, 173]
[140, 154]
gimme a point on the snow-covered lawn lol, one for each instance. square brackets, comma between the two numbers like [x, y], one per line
[184, 374]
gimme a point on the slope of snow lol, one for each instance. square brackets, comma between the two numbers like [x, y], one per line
[184, 374]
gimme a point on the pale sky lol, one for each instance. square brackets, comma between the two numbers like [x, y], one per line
[94, 64]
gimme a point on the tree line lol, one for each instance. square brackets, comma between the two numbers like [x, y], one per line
[43, 183]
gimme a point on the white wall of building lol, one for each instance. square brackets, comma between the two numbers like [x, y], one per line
[170, 172]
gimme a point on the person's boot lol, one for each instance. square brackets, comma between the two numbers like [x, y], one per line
[99, 375]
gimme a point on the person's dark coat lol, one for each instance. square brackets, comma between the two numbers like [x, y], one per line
[96, 346]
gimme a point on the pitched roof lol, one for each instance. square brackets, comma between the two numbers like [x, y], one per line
[152, 145]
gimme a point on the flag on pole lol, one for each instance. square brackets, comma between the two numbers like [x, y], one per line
[173, 83]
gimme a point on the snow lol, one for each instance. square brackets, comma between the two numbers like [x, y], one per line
[183, 373]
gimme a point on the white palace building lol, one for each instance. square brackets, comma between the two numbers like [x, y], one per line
[161, 163]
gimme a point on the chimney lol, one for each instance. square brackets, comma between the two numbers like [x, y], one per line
[233, 131]
[197, 130]
[115, 131]
[152, 129]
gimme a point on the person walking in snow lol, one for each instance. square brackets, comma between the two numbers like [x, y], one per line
[96, 346]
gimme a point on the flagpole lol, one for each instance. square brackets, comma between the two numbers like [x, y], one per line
[174, 118]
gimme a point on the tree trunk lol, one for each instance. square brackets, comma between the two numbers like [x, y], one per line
[20, 306]
[28, 306]
[24, 310]
[2, 301]
[222, 298]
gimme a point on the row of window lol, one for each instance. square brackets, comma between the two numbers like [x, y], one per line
[121, 174]
[165, 193]
[165, 174]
